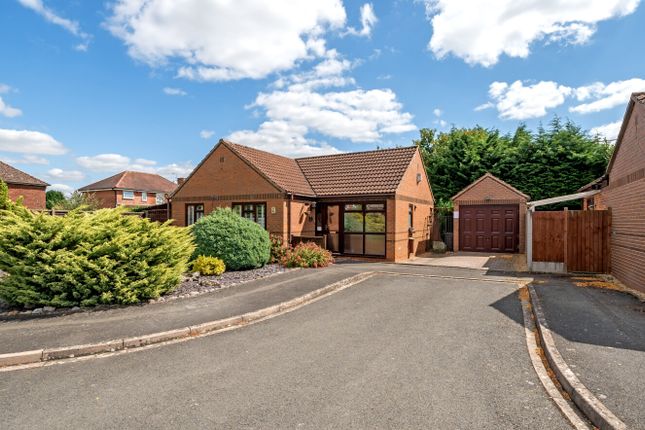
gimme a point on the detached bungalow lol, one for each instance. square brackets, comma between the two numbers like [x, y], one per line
[130, 189]
[21, 184]
[373, 203]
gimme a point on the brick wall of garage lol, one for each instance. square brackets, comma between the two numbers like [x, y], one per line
[32, 197]
[491, 192]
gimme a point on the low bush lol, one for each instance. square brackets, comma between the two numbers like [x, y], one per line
[87, 258]
[307, 254]
[278, 249]
[208, 266]
[240, 243]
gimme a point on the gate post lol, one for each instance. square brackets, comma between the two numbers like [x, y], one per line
[529, 239]
[566, 239]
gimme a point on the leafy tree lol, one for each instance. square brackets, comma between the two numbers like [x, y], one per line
[548, 163]
[79, 200]
[54, 198]
[4, 195]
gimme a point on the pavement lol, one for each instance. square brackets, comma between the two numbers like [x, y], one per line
[396, 351]
[495, 262]
[601, 335]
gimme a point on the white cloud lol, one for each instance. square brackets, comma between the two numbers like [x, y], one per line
[225, 40]
[9, 111]
[173, 171]
[606, 96]
[480, 32]
[4, 88]
[328, 73]
[206, 134]
[521, 100]
[29, 142]
[437, 112]
[115, 163]
[66, 175]
[174, 91]
[368, 21]
[65, 189]
[608, 131]
[284, 138]
[484, 106]
[26, 159]
[517, 101]
[358, 115]
[71, 26]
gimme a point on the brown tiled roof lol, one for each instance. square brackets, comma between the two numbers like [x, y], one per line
[282, 171]
[137, 181]
[11, 175]
[368, 172]
[495, 178]
[639, 97]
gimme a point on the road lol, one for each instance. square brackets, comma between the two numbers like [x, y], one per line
[396, 351]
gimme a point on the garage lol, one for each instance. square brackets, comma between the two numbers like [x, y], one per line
[489, 228]
[489, 216]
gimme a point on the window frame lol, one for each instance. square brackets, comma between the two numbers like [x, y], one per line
[144, 196]
[123, 194]
[159, 198]
[364, 211]
[255, 211]
[195, 212]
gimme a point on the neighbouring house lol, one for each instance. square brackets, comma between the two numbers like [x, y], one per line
[130, 189]
[373, 203]
[23, 185]
[594, 202]
[624, 194]
[489, 216]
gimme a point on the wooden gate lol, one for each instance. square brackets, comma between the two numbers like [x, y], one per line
[579, 239]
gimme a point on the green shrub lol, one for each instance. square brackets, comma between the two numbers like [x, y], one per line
[307, 254]
[278, 249]
[88, 258]
[208, 266]
[240, 243]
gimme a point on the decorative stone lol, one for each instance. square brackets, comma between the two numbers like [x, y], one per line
[49, 309]
[37, 311]
[439, 247]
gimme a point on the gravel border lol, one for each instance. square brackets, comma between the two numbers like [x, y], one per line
[191, 285]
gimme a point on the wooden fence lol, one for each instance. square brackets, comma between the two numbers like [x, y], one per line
[579, 239]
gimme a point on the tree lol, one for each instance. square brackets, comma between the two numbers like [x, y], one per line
[548, 163]
[53, 198]
[79, 200]
[4, 195]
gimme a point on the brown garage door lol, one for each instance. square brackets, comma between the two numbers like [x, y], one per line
[489, 228]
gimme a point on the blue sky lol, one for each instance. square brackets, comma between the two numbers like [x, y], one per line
[90, 88]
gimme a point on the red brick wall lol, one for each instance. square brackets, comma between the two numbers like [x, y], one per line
[138, 199]
[418, 194]
[224, 179]
[625, 195]
[33, 197]
[491, 192]
[106, 198]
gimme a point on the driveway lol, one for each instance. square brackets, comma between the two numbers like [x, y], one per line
[395, 351]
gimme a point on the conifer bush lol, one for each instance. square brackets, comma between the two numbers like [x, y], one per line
[87, 259]
[240, 243]
[209, 266]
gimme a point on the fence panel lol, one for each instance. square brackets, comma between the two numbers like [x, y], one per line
[548, 236]
[579, 239]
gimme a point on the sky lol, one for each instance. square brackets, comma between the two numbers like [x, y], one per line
[91, 88]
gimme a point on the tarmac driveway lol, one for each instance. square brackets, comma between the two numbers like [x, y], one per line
[395, 351]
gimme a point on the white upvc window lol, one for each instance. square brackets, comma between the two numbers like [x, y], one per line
[160, 198]
[128, 195]
[144, 196]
